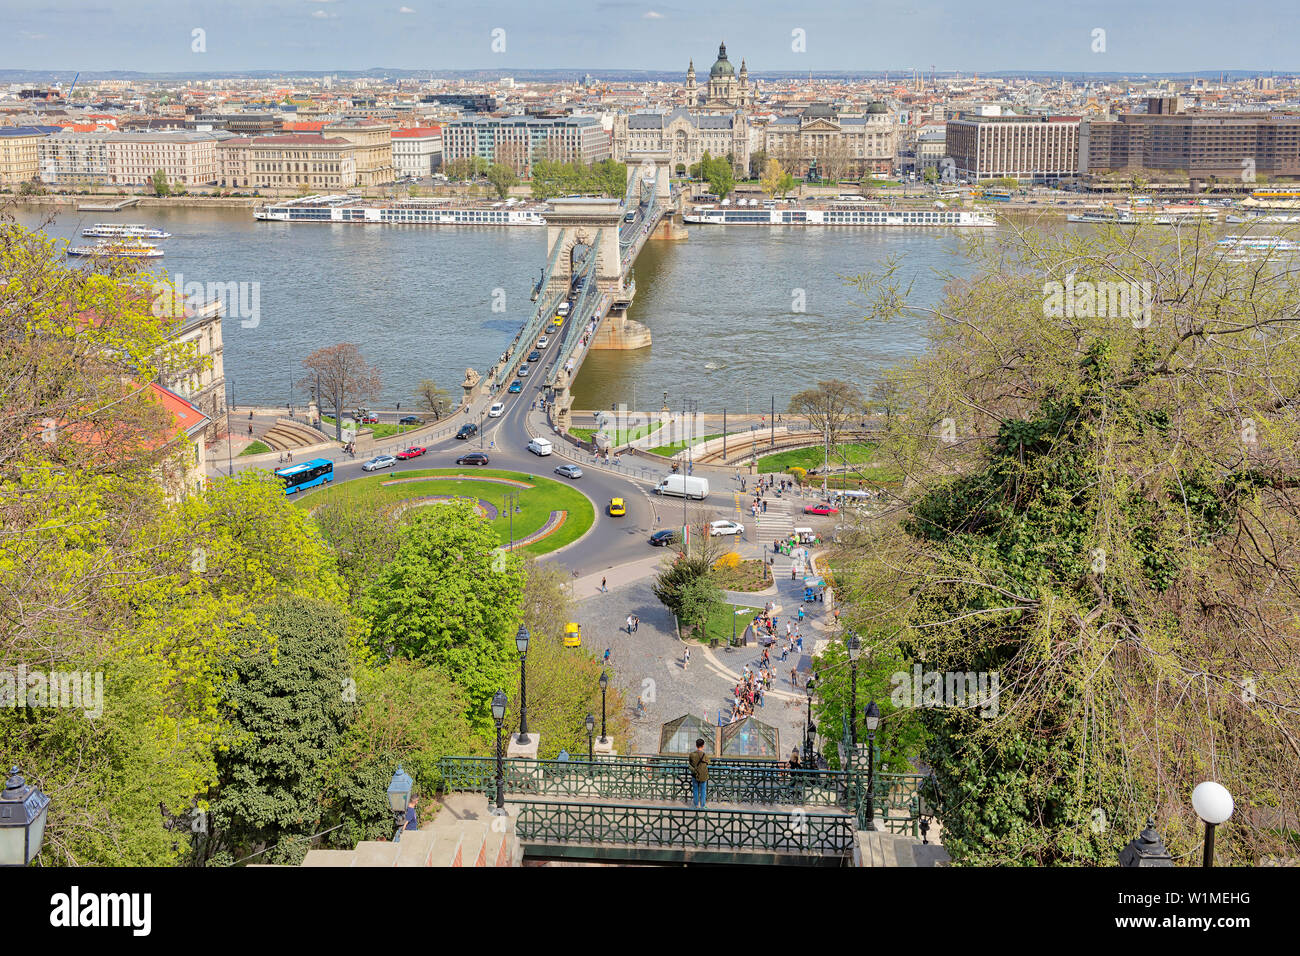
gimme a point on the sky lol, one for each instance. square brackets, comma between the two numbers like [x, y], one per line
[1136, 36]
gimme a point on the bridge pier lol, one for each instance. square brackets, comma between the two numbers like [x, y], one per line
[671, 228]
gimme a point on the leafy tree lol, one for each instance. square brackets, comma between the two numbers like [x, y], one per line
[930, 175]
[501, 177]
[758, 163]
[159, 183]
[287, 710]
[433, 398]
[829, 407]
[450, 598]
[343, 376]
[363, 541]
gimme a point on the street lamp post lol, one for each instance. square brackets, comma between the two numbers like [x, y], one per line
[1213, 804]
[810, 730]
[509, 499]
[23, 812]
[855, 650]
[872, 719]
[604, 683]
[590, 724]
[521, 642]
[399, 795]
[1147, 850]
[498, 715]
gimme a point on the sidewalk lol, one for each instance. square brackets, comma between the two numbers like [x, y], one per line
[616, 577]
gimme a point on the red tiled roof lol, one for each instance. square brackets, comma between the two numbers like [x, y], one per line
[417, 131]
[300, 139]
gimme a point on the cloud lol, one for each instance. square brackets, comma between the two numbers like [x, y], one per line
[322, 15]
[405, 10]
[652, 15]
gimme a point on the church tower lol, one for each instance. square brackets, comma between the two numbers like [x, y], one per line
[744, 98]
[692, 95]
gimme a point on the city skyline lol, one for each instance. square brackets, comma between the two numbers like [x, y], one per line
[353, 35]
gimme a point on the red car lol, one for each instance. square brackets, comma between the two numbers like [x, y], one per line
[370, 419]
[821, 508]
[415, 451]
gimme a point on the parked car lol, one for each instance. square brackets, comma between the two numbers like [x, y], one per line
[617, 507]
[370, 419]
[718, 528]
[821, 508]
[410, 420]
[515, 387]
[496, 410]
[415, 451]
[534, 356]
[473, 458]
[468, 430]
[664, 537]
[569, 471]
[379, 461]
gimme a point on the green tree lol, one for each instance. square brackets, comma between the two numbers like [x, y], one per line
[287, 710]
[501, 177]
[450, 598]
[160, 187]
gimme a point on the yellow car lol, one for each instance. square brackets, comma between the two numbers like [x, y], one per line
[617, 507]
[572, 635]
[557, 321]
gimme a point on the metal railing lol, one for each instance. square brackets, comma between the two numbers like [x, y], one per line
[816, 834]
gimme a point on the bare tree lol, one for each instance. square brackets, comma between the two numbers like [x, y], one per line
[432, 398]
[829, 407]
[343, 375]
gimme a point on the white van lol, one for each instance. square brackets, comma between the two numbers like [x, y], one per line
[496, 410]
[540, 446]
[683, 486]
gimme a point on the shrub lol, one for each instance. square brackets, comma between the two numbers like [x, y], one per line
[728, 562]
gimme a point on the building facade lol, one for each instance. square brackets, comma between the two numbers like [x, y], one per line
[373, 150]
[685, 136]
[206, 389]
[726, 89]
[517, 141]
[821, 142]
[1037, 148]
[186, 159]
[316, 163]
[20, 157]
[417, 151]
[1195, 145]
[73, 158]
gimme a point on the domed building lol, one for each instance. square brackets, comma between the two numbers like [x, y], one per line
[727, 89]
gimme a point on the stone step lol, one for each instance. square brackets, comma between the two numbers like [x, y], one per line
[878, 848]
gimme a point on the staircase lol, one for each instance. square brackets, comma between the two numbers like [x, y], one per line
[463, 833]
[880, 848]
[286, 434]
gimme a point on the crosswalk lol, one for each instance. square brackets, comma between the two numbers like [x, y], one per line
[777, 525]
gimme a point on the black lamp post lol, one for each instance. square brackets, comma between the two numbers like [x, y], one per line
[498, 715]
[872, 718]
[521, 642]
[1147, 850]
[604, 683]
[809, 729]
[855, 651]
[591, 728]
[23, 812]
[399, 795]
[1213, 804]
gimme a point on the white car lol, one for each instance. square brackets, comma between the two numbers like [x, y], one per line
[718, 528]
[543, 342]
[379, 461]
[496, 410]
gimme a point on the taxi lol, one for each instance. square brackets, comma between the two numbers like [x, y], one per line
[572, 635]
[557, 321]
[617, 507]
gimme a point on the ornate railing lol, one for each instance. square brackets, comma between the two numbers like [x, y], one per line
[792, 831]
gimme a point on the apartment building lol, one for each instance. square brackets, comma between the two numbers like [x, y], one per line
[71, 158]
[372, 148]
[516, 141]
[186, 159]
[822, 142]
[1195, 145]
[318, 163]
[417, 151]
[685, 136]
[20, 152]
[1033, 148]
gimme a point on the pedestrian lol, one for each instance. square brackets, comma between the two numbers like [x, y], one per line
[794, 677]
[250, 431]
[699, 763]
[636, 623]
[798, 639]
[603, 588]
[686, 658]
[794, 759]
[606, 655]
[290, 454]
[793, 570]
[764, 501]
[250, 415]
[785, 650]
[800, 613]
[629, 623]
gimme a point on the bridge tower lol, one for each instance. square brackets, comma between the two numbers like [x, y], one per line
[589, 226]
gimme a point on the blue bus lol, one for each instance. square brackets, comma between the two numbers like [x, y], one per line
[309, 474]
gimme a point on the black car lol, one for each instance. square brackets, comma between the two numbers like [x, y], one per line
[410, 420]
[467, 431]
[534, 356]
[661, 538]
[473, 458]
